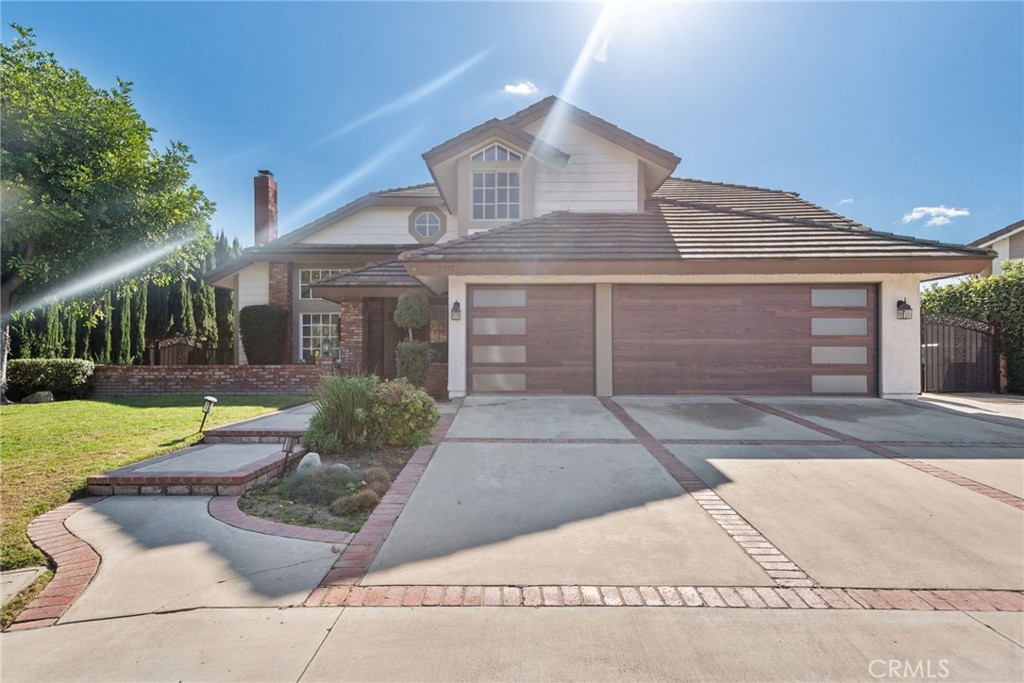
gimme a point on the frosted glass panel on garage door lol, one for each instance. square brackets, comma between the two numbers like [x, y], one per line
[839, 297]
[499, 298]
[499, 326]
[840, 327]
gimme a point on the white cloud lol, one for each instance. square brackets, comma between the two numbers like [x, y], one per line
[846, 201]
[522, 88]
[936, 215]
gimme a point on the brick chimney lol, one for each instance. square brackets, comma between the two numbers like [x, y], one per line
[265, 207]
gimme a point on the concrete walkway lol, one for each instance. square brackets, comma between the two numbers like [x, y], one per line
[494, 644]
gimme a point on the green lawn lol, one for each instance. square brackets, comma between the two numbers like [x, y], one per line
[47, 450]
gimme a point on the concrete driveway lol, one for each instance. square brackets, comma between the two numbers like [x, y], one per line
[560, 491]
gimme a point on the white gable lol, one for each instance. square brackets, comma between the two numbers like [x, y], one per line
[600, 175]
[374, 225]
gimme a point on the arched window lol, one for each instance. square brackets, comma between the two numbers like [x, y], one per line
[497, 152]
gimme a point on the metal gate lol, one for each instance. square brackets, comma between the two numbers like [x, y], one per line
[958, 354]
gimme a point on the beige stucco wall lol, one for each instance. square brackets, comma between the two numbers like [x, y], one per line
[899, 340]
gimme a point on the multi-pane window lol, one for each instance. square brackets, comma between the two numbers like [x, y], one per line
[495, 195]
[318, 335]
[427, 224]
[307, 278]
[496, 152]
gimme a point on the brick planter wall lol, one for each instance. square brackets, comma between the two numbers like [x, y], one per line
[141, 380]
[437, 381]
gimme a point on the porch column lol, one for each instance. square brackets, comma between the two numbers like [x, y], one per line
[900, 343]
[350, 336]
[280, 294]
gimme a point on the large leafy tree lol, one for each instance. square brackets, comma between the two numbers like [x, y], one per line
[83, 189]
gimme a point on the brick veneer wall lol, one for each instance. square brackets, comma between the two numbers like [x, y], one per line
[437, 381]
[280, 294]
[141, 380]
[350, 338]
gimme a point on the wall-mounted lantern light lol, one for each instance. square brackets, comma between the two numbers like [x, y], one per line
[208, 403]
[456, 311]
[903, 310]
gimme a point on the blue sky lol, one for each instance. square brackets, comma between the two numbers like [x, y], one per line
[870, 109]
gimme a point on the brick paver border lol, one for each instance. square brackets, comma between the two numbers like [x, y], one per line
[728, 597]
[76, 563]
[225, 509]
[782, 570]
[355, 560]
[878, 449]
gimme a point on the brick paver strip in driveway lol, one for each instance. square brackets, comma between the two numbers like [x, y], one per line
[783, 571]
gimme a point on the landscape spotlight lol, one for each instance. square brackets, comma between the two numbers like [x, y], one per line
[208, 403]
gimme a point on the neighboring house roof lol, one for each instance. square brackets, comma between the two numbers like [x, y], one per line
[691, 237]
[992, 237]
[388, 278]
[595, 125]
[309, 253]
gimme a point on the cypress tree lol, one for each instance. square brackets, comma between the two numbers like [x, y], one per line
[123, 339]
[71, 320]
[103, 339]
[140, 311]
[53, 341]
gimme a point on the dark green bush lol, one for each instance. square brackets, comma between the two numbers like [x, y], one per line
[412, 311]
[401, 414]
[65, 377]
[342, 408]
[413, 361]
[263, 329]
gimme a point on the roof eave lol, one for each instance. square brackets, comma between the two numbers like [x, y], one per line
[421, 267]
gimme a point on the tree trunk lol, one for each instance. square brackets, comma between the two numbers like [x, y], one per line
[6, 298]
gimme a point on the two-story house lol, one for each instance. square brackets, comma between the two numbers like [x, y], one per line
[562, 257]
[1007, 243]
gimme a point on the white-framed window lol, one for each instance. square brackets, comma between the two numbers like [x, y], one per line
[318, 335]
[310, 276]
[495, 195]
[496, 152]
[427, 224]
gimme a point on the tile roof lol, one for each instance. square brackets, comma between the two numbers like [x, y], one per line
[776, 203]
[384, 274]
[675, 230]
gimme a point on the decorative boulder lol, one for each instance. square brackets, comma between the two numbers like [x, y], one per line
[310, 461]
[340, 467]
[39, 397]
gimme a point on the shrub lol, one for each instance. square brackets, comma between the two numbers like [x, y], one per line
[263, 329]
[378, 479]
[413, 360]
[64, 377]
[342, 409]
[361, 501]
[401, 414]
[320, 485]
[412, 311]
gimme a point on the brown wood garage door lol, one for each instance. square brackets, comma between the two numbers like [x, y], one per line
[744, 339]
[535, 340]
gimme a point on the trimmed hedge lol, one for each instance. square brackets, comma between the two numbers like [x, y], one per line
[66, 378]
[412, 311]
[263, 329]
[413, 361]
